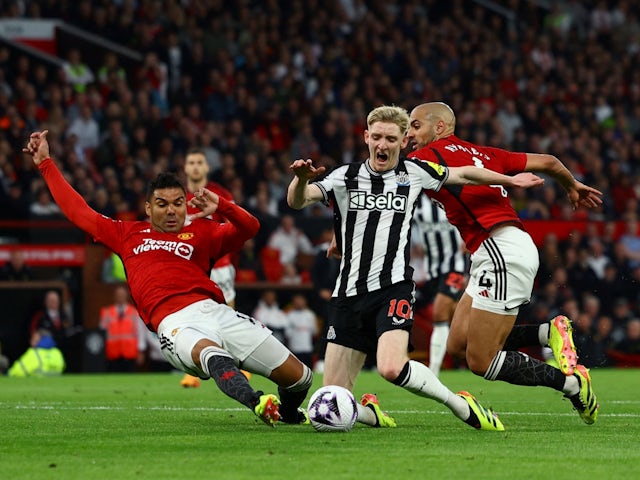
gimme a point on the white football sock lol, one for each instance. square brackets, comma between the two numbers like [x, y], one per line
[543, 334]
[366, 415]
[438, 346]
[424, 383]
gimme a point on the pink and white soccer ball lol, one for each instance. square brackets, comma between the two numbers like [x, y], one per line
[332, 409]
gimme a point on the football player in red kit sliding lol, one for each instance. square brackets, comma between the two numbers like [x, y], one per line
[167, 261]
[504, 263]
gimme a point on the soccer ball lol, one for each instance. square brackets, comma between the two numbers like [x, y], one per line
[332, 409]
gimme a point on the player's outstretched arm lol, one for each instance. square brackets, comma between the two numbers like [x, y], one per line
[71, 203]
[483, 176]
[300, 194]
[578, 193]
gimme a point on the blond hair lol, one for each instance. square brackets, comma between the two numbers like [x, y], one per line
[389, 114]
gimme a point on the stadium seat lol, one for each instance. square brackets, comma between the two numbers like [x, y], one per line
[246, 275]
[271, 265]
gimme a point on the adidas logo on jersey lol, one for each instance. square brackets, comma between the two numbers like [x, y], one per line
[484, 293]
[361, 200]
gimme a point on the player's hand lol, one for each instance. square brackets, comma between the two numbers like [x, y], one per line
[584, 196]
[38, 146]
[304, 169]
[527, 180]
[206, 200]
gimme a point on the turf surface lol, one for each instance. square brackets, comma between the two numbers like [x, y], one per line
[145, 426]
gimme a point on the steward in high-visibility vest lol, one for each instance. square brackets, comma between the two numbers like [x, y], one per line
[43, 358]
[120, 323]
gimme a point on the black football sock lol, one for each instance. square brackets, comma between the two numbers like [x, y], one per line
[522, 336]
[292, 397]
[228, 377]
[520, 369]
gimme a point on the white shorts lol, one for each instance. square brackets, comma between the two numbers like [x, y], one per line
[238, 334]
[503, 270]
[225, 278]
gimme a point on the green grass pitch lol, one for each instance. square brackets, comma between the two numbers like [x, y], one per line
[145, 426]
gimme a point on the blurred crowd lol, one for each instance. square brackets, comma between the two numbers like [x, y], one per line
[259, 84]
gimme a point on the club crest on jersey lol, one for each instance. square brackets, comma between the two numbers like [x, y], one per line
[331, 333]
[402, 179]
[185, 236]
[363, 200]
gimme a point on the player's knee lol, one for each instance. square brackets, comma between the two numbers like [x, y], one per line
[305, 380]
[389, 370]
[477, 363]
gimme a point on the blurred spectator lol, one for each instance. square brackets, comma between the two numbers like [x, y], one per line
[54, 319]
[626, 352]
[596, 258]
[154, 75]
[550, 256]
[44, 206]
[289, 241]
[249, 263]
[621, 314]
[583, 325]
[581, 276]
[16, 205]
[110, 67]
[268, 311]
[630, 240]
[262, 200]
[86, 128]
[302, 327]
[631, 343]
[509, 119]
[76, 72]
[304, 144]
[611, 286]
[591, 305]
[101, 202]
[603, 341]
[290, 275]
[125, 338]
[16, 269]
[113, 269]
[43, 358]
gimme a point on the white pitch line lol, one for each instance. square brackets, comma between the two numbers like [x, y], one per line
[213, 409]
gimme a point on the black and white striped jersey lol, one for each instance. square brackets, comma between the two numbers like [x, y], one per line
[373, 213]
[441, 241]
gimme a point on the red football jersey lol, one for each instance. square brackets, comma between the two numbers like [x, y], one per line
[223, 193]
[475, 210]
[165, 271]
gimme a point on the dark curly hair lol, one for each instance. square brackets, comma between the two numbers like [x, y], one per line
[164, 180]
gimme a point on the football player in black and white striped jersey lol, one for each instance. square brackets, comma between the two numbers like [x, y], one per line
[445, 264]
[372, 304]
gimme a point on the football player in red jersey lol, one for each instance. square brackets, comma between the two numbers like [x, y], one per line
[167, 261]
[504, 262]
[196, 169]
